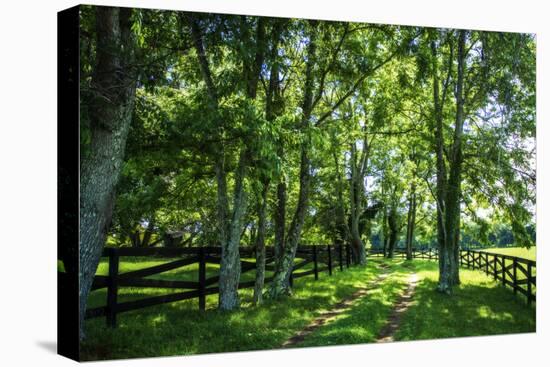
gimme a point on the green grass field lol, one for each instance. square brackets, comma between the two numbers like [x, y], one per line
[478, 307]
[523, 252]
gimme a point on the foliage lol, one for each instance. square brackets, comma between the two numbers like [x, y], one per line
[369, 82]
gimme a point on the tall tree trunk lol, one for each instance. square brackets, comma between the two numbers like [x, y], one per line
[441, 171]
[394, 231]
[284, 264]
[448, 188]
[280, 217]
[283, 268]
[357, 196]
[342, 235]
[411, 218]
[229, 228]
[230, 265]
[454, 192]
[110, 116]
[273, 108]
[260, 245]
[384, 233]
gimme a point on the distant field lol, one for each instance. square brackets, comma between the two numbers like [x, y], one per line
[516, 251]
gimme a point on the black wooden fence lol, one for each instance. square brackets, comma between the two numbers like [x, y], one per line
[420, 253]
[515, 272]
[322, 258]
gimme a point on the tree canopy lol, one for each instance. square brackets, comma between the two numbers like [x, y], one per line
[257, 131]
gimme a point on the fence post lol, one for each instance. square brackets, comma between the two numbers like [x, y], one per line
[503, 271]
[315, 269]
[529, 285]
[515, 280]
[479, 260]
[495, 266]
[202, 279]
[112, 288]
[486, 263]
[340, 257]
[468, 256]
[329, 260]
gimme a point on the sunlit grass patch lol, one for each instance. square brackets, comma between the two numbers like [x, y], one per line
[526, 253]
[479, 306]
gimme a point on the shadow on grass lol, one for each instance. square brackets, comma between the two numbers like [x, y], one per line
[179, 328]
[477, 307]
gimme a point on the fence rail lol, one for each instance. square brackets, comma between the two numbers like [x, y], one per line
[514, 272]
[323, 258]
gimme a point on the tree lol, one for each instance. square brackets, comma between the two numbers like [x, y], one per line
[477, 58]
[111, 101]
[278, 132]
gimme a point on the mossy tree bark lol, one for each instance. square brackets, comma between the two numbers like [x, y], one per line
[110, 109]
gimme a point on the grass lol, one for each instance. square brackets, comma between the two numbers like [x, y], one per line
[180, 328]
[367, 316]
[523, 252]
[478, 307]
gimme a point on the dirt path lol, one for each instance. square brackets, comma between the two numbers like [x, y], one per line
[403, 303]
[338, 308]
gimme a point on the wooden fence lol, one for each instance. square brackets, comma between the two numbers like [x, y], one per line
[323, 258]
[514, 272]
[420, 253]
